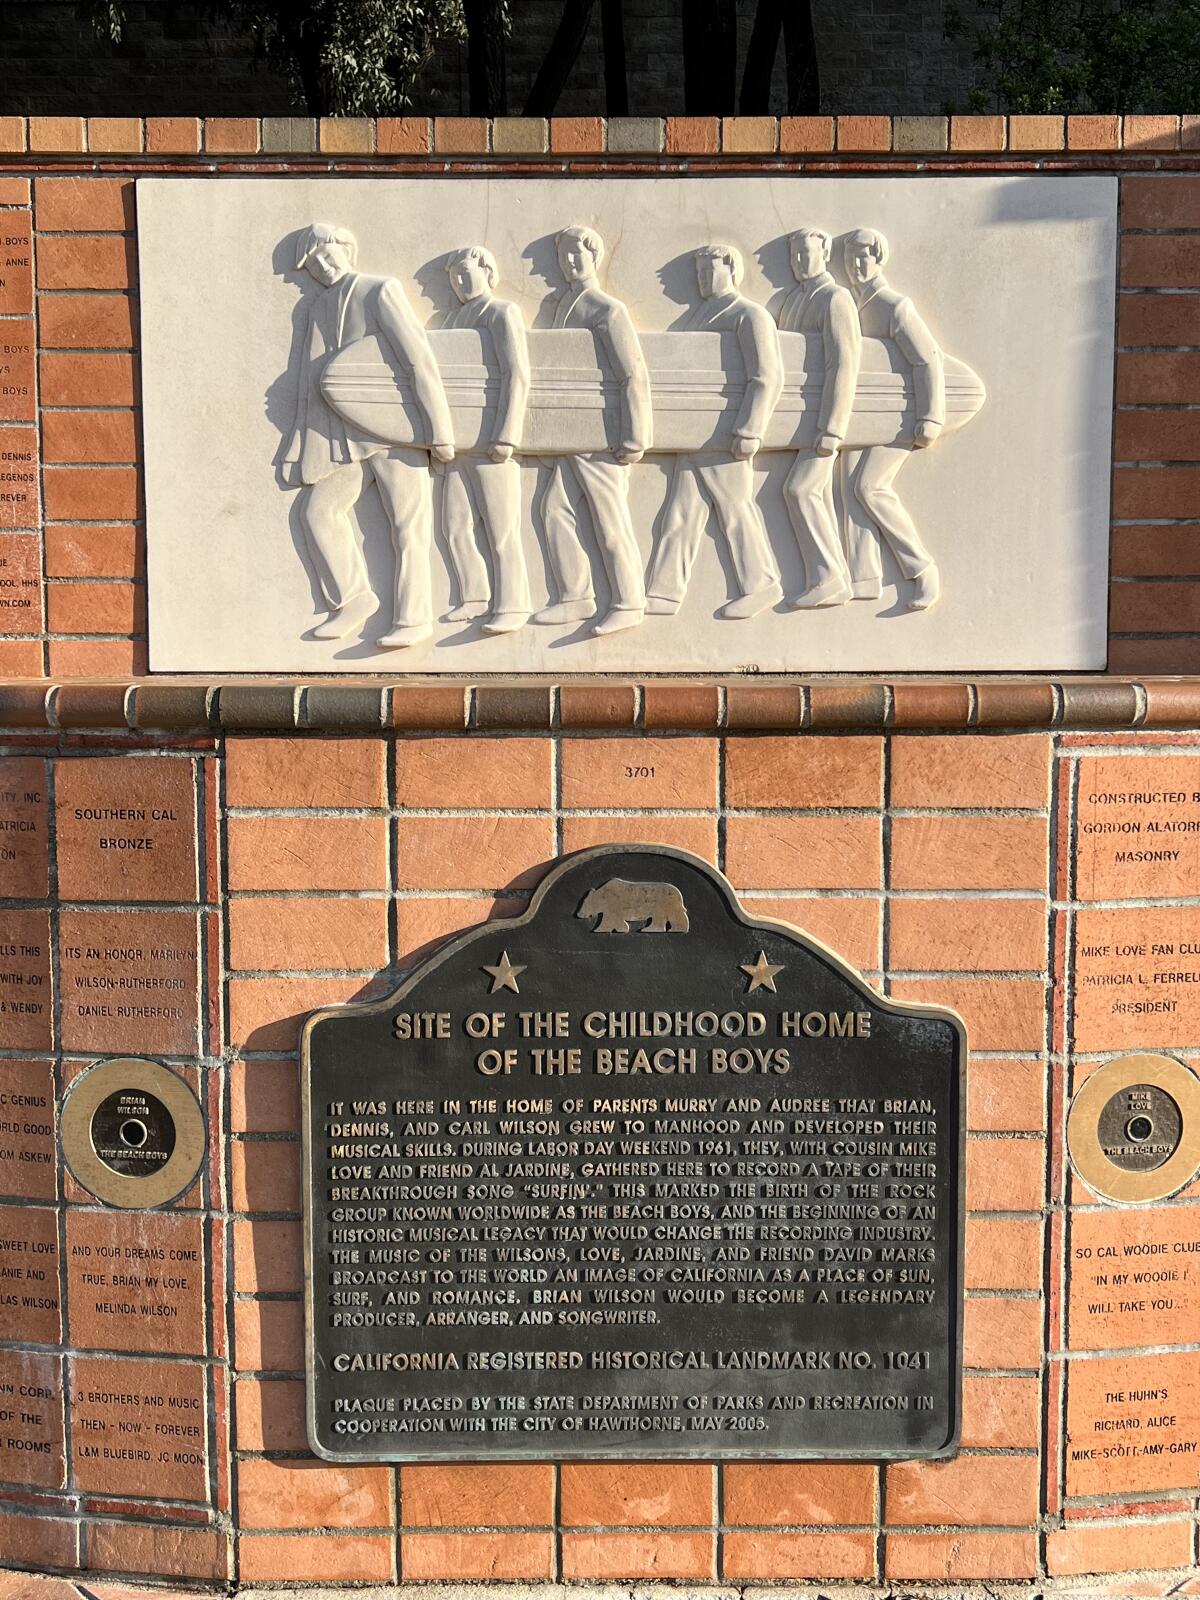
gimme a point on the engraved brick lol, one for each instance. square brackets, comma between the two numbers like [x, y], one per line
[266, 1257]
[312, 1494]
[1133, 986]
[307, 853]
[264, 1175]
[1150, 1404]
[26, 1015]
[472, 852]
[20, 584]
[29, 1252]
[23, 821]
[969, 852]
[473, 773]
[83, 205]
[1005, 1175]
[139, 1428]
[31, 1440]
[135, 1281]
[126, 829]
[85, 261]
[268, 1335]
[1004, 1253]
[959, 1557]
[95, 608]
[483, 1496]
[804, 852]
[16, 281]
[272, 1558]
[264, 1097]
[28, 1155]
[19, 496]
[1001, 1413]
[443, 1557]
[270, 1415]
[1130, 847]
[961, 936]
[129, 981]
[86, 322]
[1008, 771]
[1006, 1096]
[267, 1013]
[997, 1490]
[784, 1493]
[1002, 1333]
[1105, 1315]
[803, 772]
[621, 1556]
[298, 773]
[1000, 1013]
[316, 934]
[152, 1549]
[772, 1557]
[635, 1494]
[697, 834]
[850, 926]
[18, 369]
[1126, 1547]
[634, 773]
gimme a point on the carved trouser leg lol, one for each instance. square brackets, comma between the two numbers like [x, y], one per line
[568, 559]
[682, 531]
[458, 525]
[730, 482]
[861, 539]
[605, 483]
[807, 495]
[872, 486]
[325, 511]
[497, 486]
[406, 489]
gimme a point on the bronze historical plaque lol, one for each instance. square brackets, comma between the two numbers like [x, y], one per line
[633, 1175]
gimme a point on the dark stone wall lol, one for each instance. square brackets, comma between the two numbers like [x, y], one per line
[875, 55]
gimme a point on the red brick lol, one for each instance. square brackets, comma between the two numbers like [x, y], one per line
[13, 191]
[326, 933]
[20, 583]
[12, 135]
[264, 1175]
[1152, 435]
[961, 936]
[850, 926]
[176, 136]
[271, 1558]
[307, 853]
[114, 135]
[472, 852]
[1006, 1014]
[1164, 200]
[37, 1541]
[1146, 656]
[975, 770]
[444, 1557]
[267, 1257]
[1094, 133]
[1035, 133]
[1160, 261]
[92, 550]
[700, 136]
[1157, 319]
[1150, 133]
[83, 205]
[310, 1494]
[20, 658]
[800, 135]
[423, 923]
[1123, 1547]
[960, 1557]
[84, 436]
[788, 1494]
[460, 135]
[625, 1495]
[95, 608]
[97, 658]
[264, 1097]
[1149, 551]
[230, 136]
[864, 133]
[88, 380]
[1156, 492]
[1004, 1253]
[268, 1335]
[270, 1415]
[485, 1496]
[622, 1556]
[697, 834]
[1155, 607]
[839, 852]
[56, 134]
[402, 136]
[589, 705]
[85, 261]
[971, 134]
[1005, 1175]
[775, 1557]
[969, 852]
[1002, 1333]
[473, 773]
[299, 773]
[998, 1490]
[636, 773]
[816, 771]
[86, 321]
[1157, 377]
[267, 1013]
[92, 494]
[16, 239]
[1001, 1413]
[152, 1549]
[572, 136]
[176, 1330]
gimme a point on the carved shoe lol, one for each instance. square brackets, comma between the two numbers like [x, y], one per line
[618, 619]
[506, 622]
[658, 605]
[833, 592]
[867, 589]
[400, 638]
[348, 617]
[926, 589]
[749, 605]
[468, 611]
[567, 611]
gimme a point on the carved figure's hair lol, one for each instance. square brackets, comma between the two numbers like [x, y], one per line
[874, 242]
[816, 233]
[587, 237]
[726, 253]
[325, 233]
[480, 253]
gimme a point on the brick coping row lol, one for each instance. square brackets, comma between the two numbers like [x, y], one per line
[624, 136]
[163, 705]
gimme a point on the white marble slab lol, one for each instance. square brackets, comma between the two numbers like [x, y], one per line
[1010, 279]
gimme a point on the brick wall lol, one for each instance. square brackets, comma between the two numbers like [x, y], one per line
[296, 871]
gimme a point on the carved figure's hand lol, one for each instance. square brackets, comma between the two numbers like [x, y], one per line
[926, 433]
[501, 452]
[443, 452]
[746, 447]
[628, 454]
[827, 444]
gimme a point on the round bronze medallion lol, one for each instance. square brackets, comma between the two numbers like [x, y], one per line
[133, 1133]
[1133, 1131]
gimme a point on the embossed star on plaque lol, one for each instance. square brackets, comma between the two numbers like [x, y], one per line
[761, 973]
[504, 974]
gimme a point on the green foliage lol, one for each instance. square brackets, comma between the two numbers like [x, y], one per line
[1085, 55]
[343, 57]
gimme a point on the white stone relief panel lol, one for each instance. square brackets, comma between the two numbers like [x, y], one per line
[652, 425]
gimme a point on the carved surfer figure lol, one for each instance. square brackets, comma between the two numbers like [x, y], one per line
[821, 307]
[335, 462]
[489, 483]
[873, 508]
[601, 475]
[725, 478]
